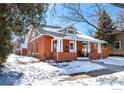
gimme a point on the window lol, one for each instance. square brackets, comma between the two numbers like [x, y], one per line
[70, 31]
[71, 46]
[36, 46]
[117, 44]
[54, 45]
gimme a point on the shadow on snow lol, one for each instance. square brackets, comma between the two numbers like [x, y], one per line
[9, 78]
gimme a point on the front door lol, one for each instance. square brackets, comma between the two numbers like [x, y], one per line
[85, 49]
[71, 46]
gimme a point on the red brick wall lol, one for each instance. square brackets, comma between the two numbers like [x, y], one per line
[105, 52]
[64, 56]
[65, 45]
[79, 47]
[43, 45]
[93, 48]
[95, 55]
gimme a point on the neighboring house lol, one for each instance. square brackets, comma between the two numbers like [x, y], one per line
[16, 45]
[117, 49]
[63, 44]
[19, 45]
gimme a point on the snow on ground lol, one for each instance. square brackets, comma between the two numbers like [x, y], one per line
[115, 79]
[40, 73]
[23, 59]
[118, 61]
[78, 66]
[52, 73]
[27, 74]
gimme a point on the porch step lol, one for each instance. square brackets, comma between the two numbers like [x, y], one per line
[83, 59]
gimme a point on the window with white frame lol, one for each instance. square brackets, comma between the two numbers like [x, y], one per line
[54, 45]
[117, 45]
[71, 46]
[70, 31]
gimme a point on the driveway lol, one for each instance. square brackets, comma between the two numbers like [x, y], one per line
[109, 69]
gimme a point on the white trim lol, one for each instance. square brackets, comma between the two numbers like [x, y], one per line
[119, 45]
[61, 45]
[52, 45]
[35, 38]
[89, 47]
[75, 46]
[43, 35]
[58, 45]
[99, 48]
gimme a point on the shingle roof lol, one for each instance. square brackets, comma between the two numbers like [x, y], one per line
[51, 32]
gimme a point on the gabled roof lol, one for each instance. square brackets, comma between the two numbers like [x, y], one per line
[50, 31]
[54, 31]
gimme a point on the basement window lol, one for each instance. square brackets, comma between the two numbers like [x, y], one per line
[117, 45]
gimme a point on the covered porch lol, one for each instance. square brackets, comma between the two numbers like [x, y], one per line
[69, 48]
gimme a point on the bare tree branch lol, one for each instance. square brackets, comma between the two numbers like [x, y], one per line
[118, 5]
[75, 14]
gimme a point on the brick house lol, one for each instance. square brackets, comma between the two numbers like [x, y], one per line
[117, 49]
[63, 44]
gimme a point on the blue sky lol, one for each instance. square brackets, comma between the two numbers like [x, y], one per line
[88, 9]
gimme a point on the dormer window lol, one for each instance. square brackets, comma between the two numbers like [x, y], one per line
[70, 31]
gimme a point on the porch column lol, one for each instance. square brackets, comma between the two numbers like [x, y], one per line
[58, 45]
[89, 47]
[75, 46]
[61, 45]
[52, 45]
[99, 48]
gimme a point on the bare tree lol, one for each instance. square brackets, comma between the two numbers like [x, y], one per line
[76, 15]
[120, 20]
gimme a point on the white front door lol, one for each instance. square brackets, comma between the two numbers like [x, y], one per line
[71, 46]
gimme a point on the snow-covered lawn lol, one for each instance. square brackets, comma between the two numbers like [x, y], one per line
[32, 72]
[118, 61]
[15, 73]
[40, 73]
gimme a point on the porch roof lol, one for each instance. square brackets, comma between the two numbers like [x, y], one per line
[84, 38]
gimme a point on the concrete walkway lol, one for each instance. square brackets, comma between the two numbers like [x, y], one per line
[108, 70]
